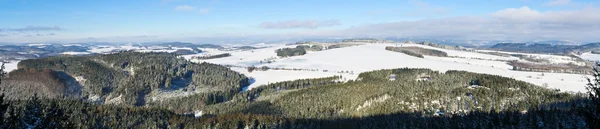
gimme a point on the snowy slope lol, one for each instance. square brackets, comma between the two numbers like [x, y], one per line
[10, 66]
[370, 57]
[553, 58]
[590, 56]
[75, 53]
[461, 53]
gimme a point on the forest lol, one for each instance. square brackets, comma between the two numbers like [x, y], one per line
[417, 51]
[207, 57]
[389, 98]
[287, 52]
[126, 77]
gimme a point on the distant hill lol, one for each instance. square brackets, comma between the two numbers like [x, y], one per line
[545, 48]
[191, 45]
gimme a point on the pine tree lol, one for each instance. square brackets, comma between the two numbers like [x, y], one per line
[593, 87]
[3, 105]
[33, 114]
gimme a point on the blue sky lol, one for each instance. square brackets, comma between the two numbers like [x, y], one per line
[166, 20]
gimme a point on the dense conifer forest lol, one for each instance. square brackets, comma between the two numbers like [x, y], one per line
[287, 52]
[417, 51]
[212, 56]
[128, 76]
[389, 98]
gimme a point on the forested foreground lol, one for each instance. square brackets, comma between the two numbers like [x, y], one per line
[125, 78]
[395, 98]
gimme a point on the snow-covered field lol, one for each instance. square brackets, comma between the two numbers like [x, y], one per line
[461, 53]
[557, 59]
[108, 49]
[75, 53]
[590, 56]
[370, 57]
[11, 65]
[205, 52]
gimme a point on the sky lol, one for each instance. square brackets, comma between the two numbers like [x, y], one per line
[33, 21]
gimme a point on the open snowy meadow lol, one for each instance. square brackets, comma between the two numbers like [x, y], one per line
[350, 61]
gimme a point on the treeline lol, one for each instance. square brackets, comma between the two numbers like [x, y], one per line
[42, 113]
[212, 56]
[545, 48]
[23, 83]
[417, 51]
[311, 47]
[287, 52]
[444, 94]
[554, 68]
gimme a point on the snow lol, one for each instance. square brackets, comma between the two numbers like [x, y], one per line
[182, 48]
[487, 63]
[371, 57]
[556, 59]
[75, 53]
[11, 65]
[108, 49]
[198, 114]
[461, 53]
[273, 76]
[590, 56]
[156, 50]
[37, 44]
[69, 45]
[205, 52]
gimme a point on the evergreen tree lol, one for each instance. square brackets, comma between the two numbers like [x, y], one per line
[3, 105]
[593, 87]
[33, 114]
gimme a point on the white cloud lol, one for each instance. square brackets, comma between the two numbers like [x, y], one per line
[185, 8]
[521, 23]
[204, 11]
[292, 24]
[558, 2]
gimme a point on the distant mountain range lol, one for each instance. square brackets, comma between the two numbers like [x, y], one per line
[546, 48]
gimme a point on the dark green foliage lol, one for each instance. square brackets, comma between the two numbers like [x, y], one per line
[23, 83]
[417, 51]
[593, 88]
[184, 52]
[3, 105]
[453, 92]
[246, 47]
[212, 56]
[287, 52]
[75, 114]
[311, 47]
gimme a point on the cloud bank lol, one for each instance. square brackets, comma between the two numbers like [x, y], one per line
[521, 23]
[31, 29]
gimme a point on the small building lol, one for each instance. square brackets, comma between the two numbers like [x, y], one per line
[392, 77]
[423, 77]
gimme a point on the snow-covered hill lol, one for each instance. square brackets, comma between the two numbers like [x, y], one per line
[350, 61]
